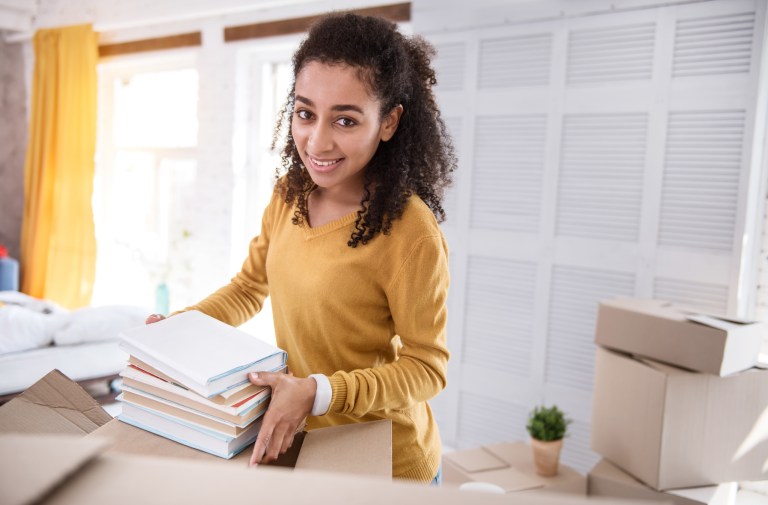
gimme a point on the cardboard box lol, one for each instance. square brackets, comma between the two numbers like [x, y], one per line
[67, 469]
[606, 480]
[678, 336]
[509, 466]
[56, 405]
[672, 428]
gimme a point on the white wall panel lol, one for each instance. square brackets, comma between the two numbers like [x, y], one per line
[603, 153]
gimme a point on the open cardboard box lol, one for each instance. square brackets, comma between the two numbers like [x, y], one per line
[679, 336]
[607, 480]
[57, 405]
[673, 428]
[50, 453]
[510, 466]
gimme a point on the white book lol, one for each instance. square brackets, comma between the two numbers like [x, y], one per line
[188, 434]
[200, 352]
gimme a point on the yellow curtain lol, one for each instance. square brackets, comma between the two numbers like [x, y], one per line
[58, 245]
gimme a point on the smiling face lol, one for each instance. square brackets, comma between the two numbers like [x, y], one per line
[337, 126]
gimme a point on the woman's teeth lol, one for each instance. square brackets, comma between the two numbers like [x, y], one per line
[324, 163]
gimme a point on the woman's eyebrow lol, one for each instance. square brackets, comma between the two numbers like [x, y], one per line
[336, 108]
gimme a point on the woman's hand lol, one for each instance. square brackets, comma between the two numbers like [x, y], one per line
[291, 402]
[153, 318]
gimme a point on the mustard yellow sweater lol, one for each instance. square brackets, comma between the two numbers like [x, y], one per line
[371, 318]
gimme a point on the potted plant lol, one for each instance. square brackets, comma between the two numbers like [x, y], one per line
[547, 427]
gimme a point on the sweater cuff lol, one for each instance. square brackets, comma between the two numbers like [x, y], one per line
[322, 395]
[339, 390]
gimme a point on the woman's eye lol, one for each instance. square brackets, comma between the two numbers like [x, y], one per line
[345, 121]
[303, 114]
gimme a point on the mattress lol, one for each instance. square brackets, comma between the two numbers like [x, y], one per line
[79, 362]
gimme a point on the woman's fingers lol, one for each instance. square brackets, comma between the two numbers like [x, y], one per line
[290, 404]
[153, 318]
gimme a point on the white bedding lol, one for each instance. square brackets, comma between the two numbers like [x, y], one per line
[37, 336]
[20, 370]
[27, 323]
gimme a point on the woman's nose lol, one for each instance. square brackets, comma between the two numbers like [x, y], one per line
[320, 138]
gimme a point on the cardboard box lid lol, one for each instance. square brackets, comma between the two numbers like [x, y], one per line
[679, 335]
[54, 404]
[32, 465]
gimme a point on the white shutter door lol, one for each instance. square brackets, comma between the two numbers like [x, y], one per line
[600, 156]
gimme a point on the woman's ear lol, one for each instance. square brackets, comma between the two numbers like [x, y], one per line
[390, 122]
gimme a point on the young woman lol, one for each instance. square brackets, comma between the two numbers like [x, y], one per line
[350, 249]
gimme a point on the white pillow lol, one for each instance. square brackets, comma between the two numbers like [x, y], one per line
[22, 329]
[31, 303]
[93, 324]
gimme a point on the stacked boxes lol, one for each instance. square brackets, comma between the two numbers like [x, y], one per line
[678, 402]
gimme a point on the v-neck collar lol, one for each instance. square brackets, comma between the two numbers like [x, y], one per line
[331, 226]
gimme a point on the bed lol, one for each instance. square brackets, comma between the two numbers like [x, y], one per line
[37, 336]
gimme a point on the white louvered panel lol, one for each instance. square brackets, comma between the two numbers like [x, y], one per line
[702, 167]
[507, 172]
[601, 176]
[713, 45]
[515, 61]
[449, 66]
[707, 297]
[450, 200]
[574, 297]
[485, 420]
[619, 53]
[577, 452]
[498, 324]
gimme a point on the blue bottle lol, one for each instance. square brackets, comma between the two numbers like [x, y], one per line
[162, 299]
[9, 271]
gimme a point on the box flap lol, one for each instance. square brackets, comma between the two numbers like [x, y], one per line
[360, 449]
[717, 322]
[32, 465]
[54, 404]
[475, 460]
[112, 478]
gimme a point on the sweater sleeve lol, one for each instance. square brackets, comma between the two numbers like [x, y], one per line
[417, 298]
[244, 296]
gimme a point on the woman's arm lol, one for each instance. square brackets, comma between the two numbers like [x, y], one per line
[417, 297]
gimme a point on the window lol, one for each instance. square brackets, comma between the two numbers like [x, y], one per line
[265, 76]
[145, 176]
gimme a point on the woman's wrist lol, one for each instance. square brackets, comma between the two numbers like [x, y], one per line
[323, 395]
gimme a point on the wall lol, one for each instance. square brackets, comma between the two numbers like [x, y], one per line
[13, 140]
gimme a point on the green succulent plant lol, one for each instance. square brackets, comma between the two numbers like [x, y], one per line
[547, 423]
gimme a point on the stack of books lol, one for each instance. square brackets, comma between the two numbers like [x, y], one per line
[187, 380]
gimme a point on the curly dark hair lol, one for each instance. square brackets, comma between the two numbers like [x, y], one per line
[418, 159]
